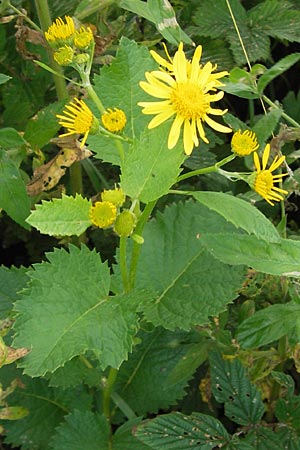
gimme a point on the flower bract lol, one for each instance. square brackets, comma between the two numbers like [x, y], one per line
[114, 120]
[78, 119]
[263, 180]
[186, 91]
[103, 214]
[244, 143]
[60, 32]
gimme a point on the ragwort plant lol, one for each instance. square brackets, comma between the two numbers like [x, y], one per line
[200, 300]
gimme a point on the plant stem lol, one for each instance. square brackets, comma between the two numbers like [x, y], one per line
[123, 263]
[107, 391]
[21, 14]
[284, 115]
[92, 94]
[209, 169]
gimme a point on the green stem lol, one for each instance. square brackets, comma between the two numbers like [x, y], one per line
[123, 263]
[107, 390]
[123, 406]
[209, 169]
[25, 17]
[93, 96]
[45, 21]
[284, 115]
[137, 247]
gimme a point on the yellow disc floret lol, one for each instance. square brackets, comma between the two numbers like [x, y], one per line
[103, 214]
[244, 143]
[64, 55]
[83, 38]
[114, 120]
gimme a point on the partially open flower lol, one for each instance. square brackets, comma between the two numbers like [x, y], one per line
[244, 143]
[83, 37]
[114, 120]
[103, 214]
[64, 55]
[61, 33]
[115, 196]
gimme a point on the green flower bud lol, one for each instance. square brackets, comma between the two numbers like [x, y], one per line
[125, 223]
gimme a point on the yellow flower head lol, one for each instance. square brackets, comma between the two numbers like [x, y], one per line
[60, 32]
[184, 90]
[64, 55]
[263, 181]
[115, 196]
[114, 120]
[78, 119]
[244, 143]
[83, 37]
[103, 214]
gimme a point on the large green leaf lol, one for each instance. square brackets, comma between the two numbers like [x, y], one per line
[275, 258]
[270, 324]
[82, 430]
[231, 386]
[150, 169]
[240, 213]
[13, 197]
[118, 86]
[11, 282]
[10, 138]
[64, 216]
[66, 311]
[189, 285]
[177, 431]
[160, 351]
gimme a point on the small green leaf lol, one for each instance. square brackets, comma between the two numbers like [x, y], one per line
[13, 196]
[150, 169]
[4, 78]
[10, 138]
[240, 213]
[177, 431]
[269, 325]
[276, 70]
[64, 216]
[82, 430]
[231, 386]
[240, 83]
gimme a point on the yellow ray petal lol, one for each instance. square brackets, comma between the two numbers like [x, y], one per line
[175, 132]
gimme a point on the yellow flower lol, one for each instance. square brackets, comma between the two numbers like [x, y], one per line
[78, 119]
[64, 55]
[263, 181]
[114, 120]
[184, 90]
[115, 196]
[103, 214]
[244, 143]
[60, 32]
[83, 37]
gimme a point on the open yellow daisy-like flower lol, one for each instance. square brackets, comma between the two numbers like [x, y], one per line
[103, 214]
[114, 120]
[78, 119]
[263, 181]
[185, 92]
[244, 143]
[60, 32]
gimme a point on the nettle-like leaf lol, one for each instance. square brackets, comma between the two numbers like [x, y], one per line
[13, 197]
[189, 285]
[66, 311]
[47, 408]
[12, 281]
[64, 216]
[118, 86]
[125, 439]
[82, 430]
[159, 169]
[231, 386]
[73, 373]
[160, 351]
[269, 325]
[177, 431]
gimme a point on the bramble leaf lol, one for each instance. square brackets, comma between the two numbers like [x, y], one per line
[12, 281]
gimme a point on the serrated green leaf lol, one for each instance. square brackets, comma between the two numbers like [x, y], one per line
[262, 438]
[159, 352]
[4, 78]
[276, 70]
[150, 169]
[275, 258]
[64, 216]
[124, 438]
[118, 86]
[269, 324]
[287, 410]
[73, 373]
[12, 281]
[82, 430]
[194, 286]
[66, 311]
[231, 386]
[240, 213]
[10, 138]
[267, 124]
[13, 197]
[177, 431]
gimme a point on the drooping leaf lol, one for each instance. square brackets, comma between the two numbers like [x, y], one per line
[269, 325]
[118, 87]
[177, 431]
[82, 430]
[275, 258]
[231, 386]
[13, 197]
[66, 311]
[240, 213]
[159, 352]
[188, 285]
[64, 216]
[12, 281]
[150, 169]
